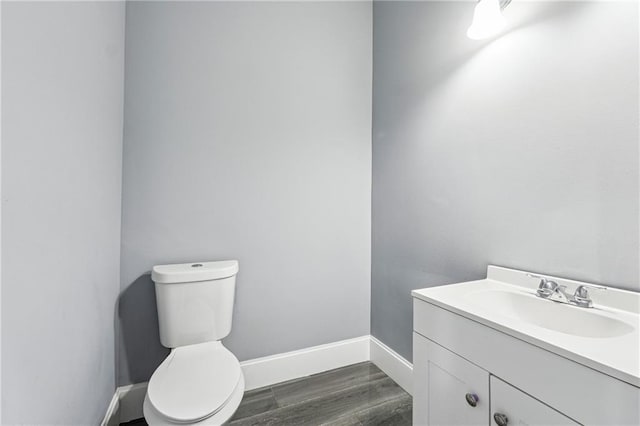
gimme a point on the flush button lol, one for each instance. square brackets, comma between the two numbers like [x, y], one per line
[196, 265]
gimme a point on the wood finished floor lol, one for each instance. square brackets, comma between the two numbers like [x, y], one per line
[355, 395]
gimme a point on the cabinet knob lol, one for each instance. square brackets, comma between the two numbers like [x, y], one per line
[472, 399]
[501, 419]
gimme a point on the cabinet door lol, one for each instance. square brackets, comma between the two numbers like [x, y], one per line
[443, 383]
[518, 408]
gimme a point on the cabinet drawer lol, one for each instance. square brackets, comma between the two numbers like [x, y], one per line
[443, 382]
[522, 409]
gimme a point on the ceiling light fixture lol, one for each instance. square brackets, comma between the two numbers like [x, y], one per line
[487, 19]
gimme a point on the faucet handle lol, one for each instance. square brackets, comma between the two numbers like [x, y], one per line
[543, 280]
[581, 296]
[583, 292]
[546, 286]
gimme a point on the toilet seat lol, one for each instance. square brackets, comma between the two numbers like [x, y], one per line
[221, 417]
[194, 382]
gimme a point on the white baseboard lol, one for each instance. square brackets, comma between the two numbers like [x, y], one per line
[394, 366]
[304, 362]
[112, 417]
[126, 404]
[131, 399]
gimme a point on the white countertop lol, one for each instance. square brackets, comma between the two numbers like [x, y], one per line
[617, 356]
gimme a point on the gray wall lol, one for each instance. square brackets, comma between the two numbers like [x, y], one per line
[248, 136]
[521, 152]
[62, 96]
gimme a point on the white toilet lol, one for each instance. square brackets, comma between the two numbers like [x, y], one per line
[200, 382]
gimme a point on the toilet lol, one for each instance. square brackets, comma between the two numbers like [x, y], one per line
[200, 382]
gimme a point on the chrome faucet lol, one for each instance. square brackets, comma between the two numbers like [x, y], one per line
[581, 296]
[551, 290]
[548, 289]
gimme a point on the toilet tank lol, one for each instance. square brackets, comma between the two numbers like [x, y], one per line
[195, 301]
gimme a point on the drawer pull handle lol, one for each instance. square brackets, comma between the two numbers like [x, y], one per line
[472, 399]
[500, 419]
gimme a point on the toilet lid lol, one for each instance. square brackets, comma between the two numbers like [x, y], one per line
[194, 382]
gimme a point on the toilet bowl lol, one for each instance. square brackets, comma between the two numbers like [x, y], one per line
[195, 384]
[200, 382]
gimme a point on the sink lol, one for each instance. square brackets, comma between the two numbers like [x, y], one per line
[550, 315]
[582, 361]
[605, 337]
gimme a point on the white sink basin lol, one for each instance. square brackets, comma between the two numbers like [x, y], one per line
[560, 317]
[605, 337]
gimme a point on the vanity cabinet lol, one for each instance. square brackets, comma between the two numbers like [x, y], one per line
[454, 357]
[449, 390]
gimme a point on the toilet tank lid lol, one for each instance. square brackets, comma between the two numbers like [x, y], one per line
[190, 272]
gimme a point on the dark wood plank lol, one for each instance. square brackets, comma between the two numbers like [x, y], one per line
[136, 422]
[344, 421]
[321, 384]
[332, 407]
[395, 412]
[255, 402]
[356, 395]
